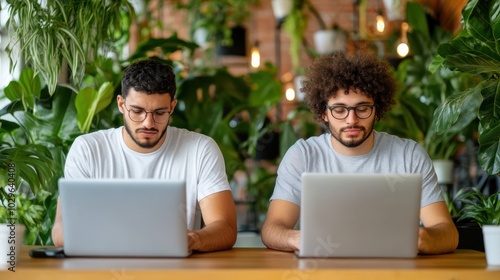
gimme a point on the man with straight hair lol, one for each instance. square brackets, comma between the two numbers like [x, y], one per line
[147, 147]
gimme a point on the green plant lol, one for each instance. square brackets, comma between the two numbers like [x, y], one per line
[485, 210]
[295, 25]
[30, 210]
[54, 32]
[25, 169]
[475, 50]
[36, 131]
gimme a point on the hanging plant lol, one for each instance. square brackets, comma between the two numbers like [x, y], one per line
[51, 33]
[295, 26]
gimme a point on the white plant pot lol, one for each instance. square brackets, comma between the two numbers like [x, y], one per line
[281, 8]
[491, 236]
[329, 41]
[395, 9]
[298, 85]
[200, 37]
[11, 239]
[444, 170]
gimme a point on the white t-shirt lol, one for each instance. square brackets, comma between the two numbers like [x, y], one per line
[390, 154]
[185, 155]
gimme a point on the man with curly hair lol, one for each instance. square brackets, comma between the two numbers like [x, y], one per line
[348, 94]
[146, 146]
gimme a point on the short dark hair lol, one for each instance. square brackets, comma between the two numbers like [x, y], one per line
[149, 76]
[362, 72]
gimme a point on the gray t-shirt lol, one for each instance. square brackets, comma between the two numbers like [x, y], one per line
[390, 154]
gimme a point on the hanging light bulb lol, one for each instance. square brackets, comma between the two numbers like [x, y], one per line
[255, 56]
[290, 93]
[380, 23]
[403, 48]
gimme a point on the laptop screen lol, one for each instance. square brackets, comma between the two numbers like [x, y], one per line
[360, 215]
[124, 217]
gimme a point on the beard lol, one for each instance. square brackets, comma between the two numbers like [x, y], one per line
[352, 142]
[146, 143]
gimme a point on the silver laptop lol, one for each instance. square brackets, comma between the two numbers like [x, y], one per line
[360, 215]
[124, 217]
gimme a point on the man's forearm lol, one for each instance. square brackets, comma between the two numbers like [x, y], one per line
[438, 239]
[280, 238]
[213, 237]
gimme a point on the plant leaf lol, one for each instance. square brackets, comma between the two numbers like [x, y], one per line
[467, 55]
[416, 18]
[89, 102]
[448, 113]
[489, 149]
[481, 20]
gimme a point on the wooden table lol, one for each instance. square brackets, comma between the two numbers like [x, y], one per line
[255, 264]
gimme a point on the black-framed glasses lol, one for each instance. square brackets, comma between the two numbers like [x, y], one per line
[139, 115]
[341, 112]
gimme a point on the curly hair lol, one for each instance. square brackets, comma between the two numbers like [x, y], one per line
[149, 76]
[362, 72]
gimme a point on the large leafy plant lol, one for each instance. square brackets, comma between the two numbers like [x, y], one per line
[26, 166]
[476, 50]
[36, 131]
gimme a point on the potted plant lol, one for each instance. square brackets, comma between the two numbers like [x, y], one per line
[395, 9]
[281, 8]
[328, 41]
[441, 149]
[475, 51]
[485, 211]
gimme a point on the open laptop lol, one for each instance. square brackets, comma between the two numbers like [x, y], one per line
[360, 215]
[124, 217]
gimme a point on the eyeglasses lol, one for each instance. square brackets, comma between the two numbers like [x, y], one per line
[139, 115]
[341, 112]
